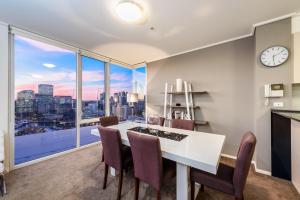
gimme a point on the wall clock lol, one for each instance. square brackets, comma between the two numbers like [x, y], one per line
[274, 56]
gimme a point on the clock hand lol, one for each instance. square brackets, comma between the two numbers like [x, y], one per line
[279, 53]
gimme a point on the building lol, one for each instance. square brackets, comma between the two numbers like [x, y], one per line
[25, 102]
[62, 104]
[45, 89]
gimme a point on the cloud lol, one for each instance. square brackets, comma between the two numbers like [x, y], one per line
[92, 76]
[50, 77]
[119, 77]
[43, 46]
[65, 90]
[36, 76]
[49, 65]
[90, 92]
[89, 76]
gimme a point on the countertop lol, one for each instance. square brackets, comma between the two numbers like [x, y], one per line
[288, 113]
[285, 109]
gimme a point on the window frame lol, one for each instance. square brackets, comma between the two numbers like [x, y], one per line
[79, 54]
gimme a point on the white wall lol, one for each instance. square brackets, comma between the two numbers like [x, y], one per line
[276, 33]
[296, 47]
[4, 84]
[226, 72]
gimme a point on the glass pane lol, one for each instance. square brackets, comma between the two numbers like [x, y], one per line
[139, 86]
[45, 104]
[89, 133]
[93, 96]
[120, 85]
[93, 91]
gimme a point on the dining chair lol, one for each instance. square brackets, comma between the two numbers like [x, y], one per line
[183, 124]
[230, 180]
[149, 166]
[108, 121]
[156, 121]
[115, 155]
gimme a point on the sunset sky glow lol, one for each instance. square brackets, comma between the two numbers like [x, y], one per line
[37, 63]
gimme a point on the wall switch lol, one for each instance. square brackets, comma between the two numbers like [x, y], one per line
[278, 104]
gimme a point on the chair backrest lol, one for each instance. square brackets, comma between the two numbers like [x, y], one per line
[157, 121]
[147, 159]
[183, 124]
[109, 121]
[111, 142]
[243, 162]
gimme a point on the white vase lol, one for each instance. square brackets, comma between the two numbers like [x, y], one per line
[179, 84]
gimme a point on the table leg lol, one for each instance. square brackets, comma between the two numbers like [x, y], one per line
[182, 183]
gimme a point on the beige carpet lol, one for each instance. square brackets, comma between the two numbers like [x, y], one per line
[79, 175]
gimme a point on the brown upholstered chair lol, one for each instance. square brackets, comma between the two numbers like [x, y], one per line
[183, 124]
[149, 166]
[108, 121]
[115, 155]
[156, 121]
[228, 179]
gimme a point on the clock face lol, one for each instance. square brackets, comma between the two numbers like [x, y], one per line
[274, 56]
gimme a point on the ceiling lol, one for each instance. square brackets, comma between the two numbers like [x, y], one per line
[179, 25]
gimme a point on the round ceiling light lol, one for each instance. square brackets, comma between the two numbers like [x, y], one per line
[129, 11]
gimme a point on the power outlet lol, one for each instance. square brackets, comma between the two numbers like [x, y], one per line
[278, 104]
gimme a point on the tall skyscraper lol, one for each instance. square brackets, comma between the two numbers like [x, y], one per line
[45, 89]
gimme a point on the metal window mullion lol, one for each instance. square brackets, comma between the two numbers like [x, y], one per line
[12, 101]
[107, 88]
[78, 97]
[146, 92]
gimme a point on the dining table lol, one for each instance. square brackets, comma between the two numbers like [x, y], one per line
[188, 149]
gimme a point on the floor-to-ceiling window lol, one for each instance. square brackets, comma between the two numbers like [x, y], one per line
[45, 99]
[93, 98]
[47, 76]
[139, 87]
[120, 86]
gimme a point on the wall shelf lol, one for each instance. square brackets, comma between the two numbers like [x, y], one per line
[180, 107]
[197, 122]
[183, 93]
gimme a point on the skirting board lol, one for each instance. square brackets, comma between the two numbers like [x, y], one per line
[253, 162]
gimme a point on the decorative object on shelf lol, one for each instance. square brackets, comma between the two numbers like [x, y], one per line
[274, 56]
[179, 84]
[178, 111]
[177, 114]
[131, 99]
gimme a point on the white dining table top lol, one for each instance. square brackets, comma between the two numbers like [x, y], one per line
[199, 149]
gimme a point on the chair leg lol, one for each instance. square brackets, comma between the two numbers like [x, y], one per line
[105, 176]
[237, 198]
[192, 190]
[120, 185]
[202, 188]
[158, 195]
[102, 159]
[137, 188]
[2, 185]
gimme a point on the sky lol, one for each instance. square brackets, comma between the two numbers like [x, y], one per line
[37, 62]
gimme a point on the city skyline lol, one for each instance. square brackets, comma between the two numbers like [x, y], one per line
[39, 63]
[45, 98]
